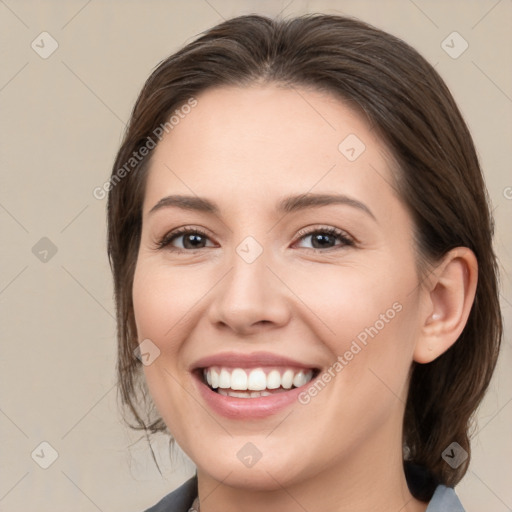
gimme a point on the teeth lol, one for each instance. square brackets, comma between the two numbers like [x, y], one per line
[300, 379]
[214, 380]
[254, 380]
[257, 380]
[238, 379]
[274, 380]
[287, 379]
[239, 394]
[224, 379]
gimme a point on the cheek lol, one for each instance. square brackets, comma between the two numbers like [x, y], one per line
[162, 298]
[163, 301]
[344, 300]
[367, 317]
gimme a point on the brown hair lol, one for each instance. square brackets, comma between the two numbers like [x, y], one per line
[438, 178]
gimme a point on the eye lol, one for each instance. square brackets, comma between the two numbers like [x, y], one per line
[187, 239]
[325, 238]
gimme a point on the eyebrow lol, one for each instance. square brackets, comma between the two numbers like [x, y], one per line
[287, 205]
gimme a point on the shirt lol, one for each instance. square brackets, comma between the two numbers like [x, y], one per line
[180, 500]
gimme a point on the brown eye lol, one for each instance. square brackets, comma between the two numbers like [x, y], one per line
[326, 238]
[193, 241]
[186, 239]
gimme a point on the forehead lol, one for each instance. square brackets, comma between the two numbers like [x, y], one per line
[265, 140]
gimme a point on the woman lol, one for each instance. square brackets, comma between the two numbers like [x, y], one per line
[305, 283]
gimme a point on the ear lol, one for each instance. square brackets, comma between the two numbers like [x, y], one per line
[449, 294]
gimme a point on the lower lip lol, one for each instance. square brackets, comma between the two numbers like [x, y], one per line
[248, 408]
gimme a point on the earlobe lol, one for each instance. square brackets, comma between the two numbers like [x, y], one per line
[450, 296]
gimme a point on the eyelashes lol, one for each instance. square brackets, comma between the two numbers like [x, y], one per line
[192, 235]
[167, 239]
[330, 232]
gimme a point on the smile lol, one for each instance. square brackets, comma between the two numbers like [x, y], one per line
[256, 385]
[254, 382]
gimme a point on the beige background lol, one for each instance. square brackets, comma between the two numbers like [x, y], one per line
[62, 121]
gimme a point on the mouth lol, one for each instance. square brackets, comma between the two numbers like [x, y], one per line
[239, 382]
[250, 386]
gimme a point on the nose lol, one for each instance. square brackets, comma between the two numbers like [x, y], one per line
[250, 298]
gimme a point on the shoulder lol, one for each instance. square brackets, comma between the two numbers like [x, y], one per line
[179, 500]
[444, 500]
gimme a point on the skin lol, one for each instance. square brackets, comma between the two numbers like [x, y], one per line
[245, 149]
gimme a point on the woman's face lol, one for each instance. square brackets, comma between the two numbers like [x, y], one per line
[294, 259]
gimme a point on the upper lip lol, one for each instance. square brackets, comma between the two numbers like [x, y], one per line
[252, 360]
